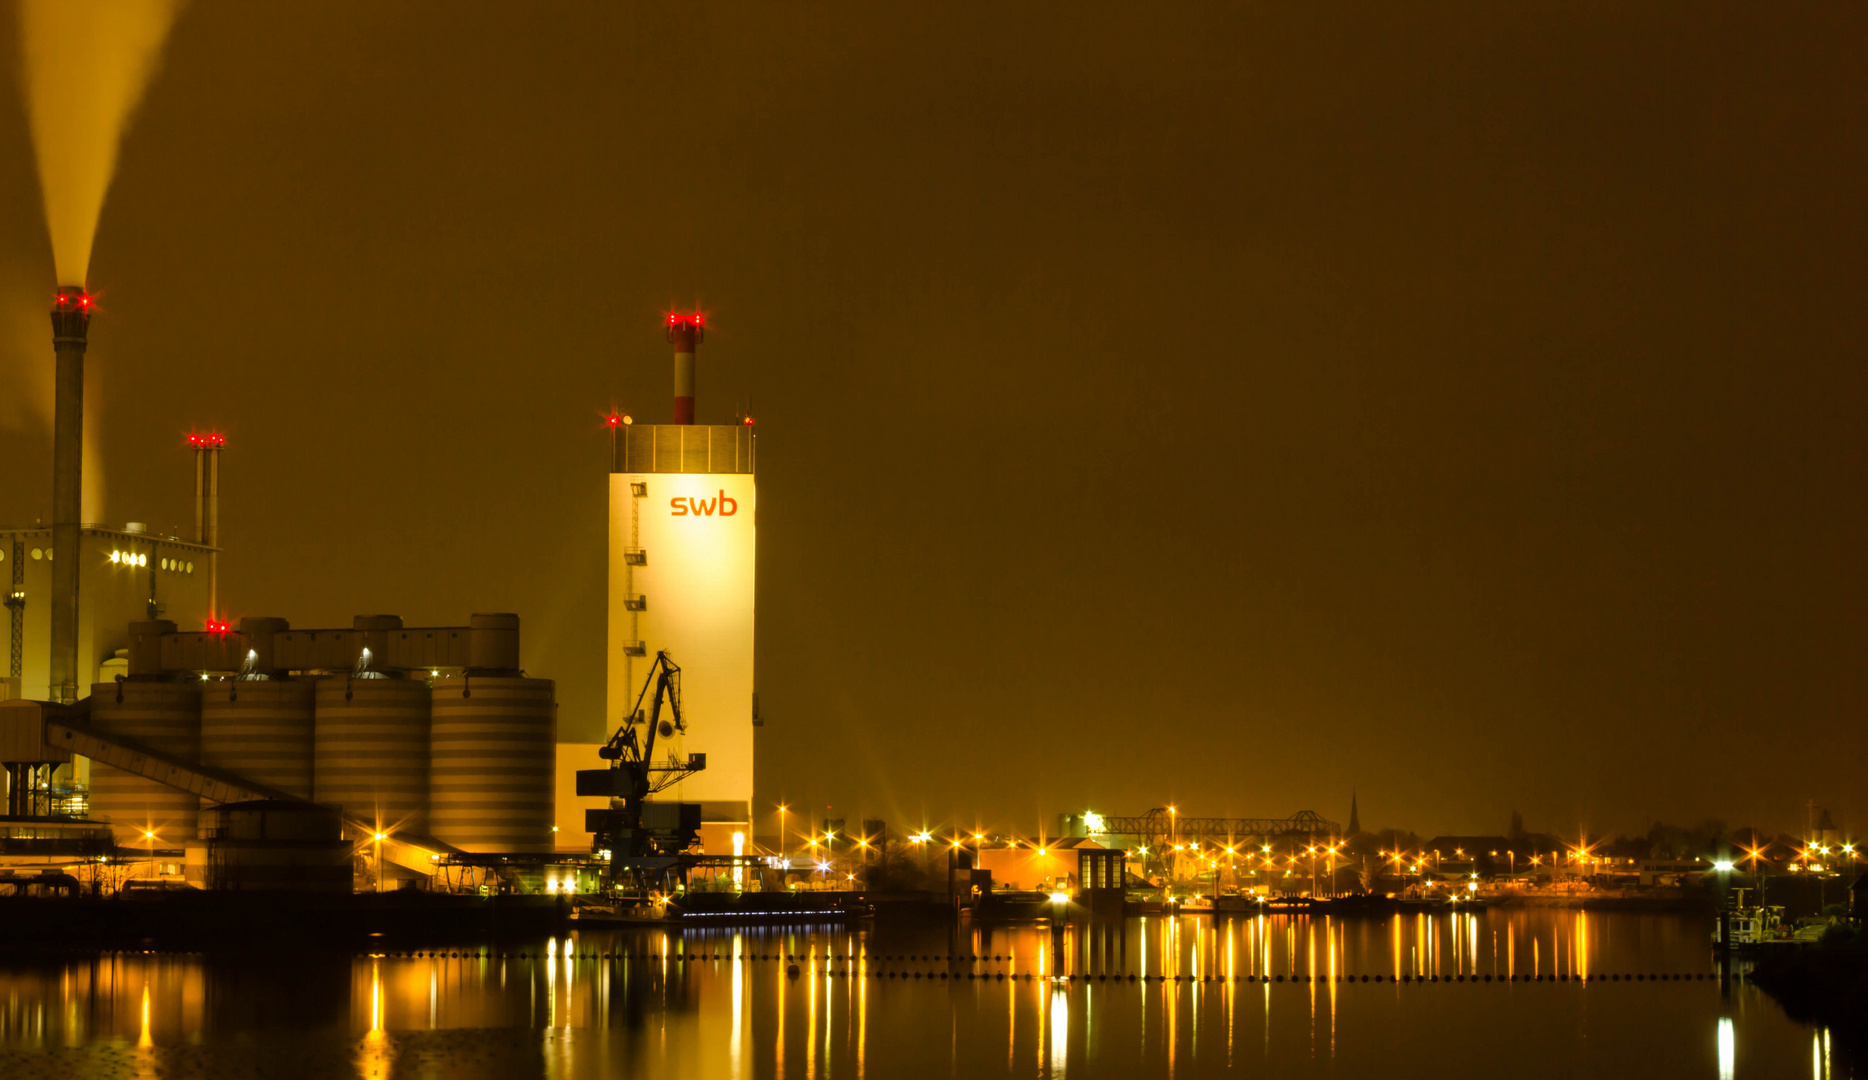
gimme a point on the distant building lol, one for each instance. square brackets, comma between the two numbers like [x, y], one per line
[1041, 863]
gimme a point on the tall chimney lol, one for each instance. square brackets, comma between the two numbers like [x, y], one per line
[71, 317]
[208, 510]
[685, 332]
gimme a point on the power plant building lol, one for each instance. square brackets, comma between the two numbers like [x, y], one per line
[682, 543]
[682, 551]
[124, 575]
[396, 746]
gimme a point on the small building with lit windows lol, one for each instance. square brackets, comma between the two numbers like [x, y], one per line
[127, 575]
[1040, 863]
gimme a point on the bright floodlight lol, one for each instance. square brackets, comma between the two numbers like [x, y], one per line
[1092, 822]
[1060, 898]
[1723, 866]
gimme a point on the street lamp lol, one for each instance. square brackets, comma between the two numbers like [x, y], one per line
[379, 837]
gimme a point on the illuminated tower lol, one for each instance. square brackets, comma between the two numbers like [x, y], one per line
[682, 538]
[71, 317]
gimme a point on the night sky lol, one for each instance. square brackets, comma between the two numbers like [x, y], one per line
[1206, 405]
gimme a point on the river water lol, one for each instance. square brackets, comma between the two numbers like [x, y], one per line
[870, 1001]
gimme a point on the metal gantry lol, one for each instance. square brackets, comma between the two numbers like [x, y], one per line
[16, 605]
[1161, 826]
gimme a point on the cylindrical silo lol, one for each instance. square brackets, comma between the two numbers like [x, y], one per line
[163, 716]
[370, 750]
[260, 730]
[493, 747]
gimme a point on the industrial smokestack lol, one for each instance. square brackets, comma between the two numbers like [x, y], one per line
[685, 332]
[208, 510]
[71, 317]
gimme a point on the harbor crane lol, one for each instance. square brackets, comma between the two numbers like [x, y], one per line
[639, 834]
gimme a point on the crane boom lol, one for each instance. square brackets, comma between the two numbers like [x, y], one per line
[633, 775]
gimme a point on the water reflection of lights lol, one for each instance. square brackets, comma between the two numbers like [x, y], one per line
[1060, 1034]
[739, 1004]
[373, 1055]
[716, 985]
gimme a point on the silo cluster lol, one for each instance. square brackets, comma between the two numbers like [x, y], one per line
[463, 755]
[164, 716]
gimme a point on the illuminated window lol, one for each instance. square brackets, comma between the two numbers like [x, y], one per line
[37, 554]
[191, 568]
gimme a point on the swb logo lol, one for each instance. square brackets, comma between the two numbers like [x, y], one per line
[724, 504]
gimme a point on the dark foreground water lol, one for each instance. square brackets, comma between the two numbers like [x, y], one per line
[713, 1003]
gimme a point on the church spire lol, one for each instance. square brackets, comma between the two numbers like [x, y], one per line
[1355, 821]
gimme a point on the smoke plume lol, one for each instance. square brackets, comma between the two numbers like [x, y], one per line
[86, 64]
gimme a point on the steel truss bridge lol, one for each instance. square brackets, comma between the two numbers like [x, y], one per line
[1158, 827]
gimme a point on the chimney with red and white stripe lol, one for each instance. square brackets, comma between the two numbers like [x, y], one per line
[685, 333]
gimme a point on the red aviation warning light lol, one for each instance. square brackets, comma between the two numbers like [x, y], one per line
[219, 626]
[209, 441]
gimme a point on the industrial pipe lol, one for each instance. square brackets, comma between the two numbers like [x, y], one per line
[685, 333]
[208, 509]
[71, 317]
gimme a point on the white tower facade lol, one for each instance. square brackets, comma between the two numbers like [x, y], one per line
[683, 545]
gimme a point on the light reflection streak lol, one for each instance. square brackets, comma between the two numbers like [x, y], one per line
[862, 1010]
[811, 959]
[1044, 1031]
[373, 1060]
[1310, 967]
[810, 1019]
[1232, 989]
[739, 1005]
[1330, 947]
[1728, 1049]
[1060, 1034]
[1011, 1011]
